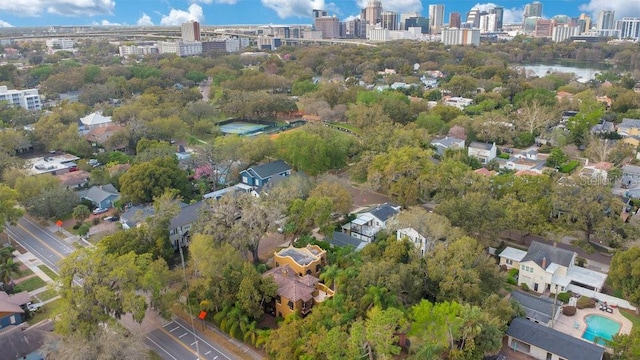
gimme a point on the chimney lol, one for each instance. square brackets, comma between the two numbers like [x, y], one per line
[544, 262]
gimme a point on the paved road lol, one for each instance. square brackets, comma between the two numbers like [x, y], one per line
[177, 341]
[40, 242]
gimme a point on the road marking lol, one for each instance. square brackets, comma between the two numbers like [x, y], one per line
[161, 348]
[41, 241]
[53, 237]
[207, 353]
[167, 324]
[215, 357]
[178, 342]
[20, 240]
[183, 335]
[174, 329]
[205, 341]
[193, 343]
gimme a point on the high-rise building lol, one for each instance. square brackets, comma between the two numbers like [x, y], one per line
[499, 12]
[584, 21]
[564, 32]
[373, 12]
[191, 31]
[533, 9]
[355, 28]
[26, 99]
[419, 21]
[389, 20]
[488, 23]
[406, 15]
[436, 17]
[544, 28]
[329, 26]
[629, 28]
[455, 20]
[473, 18]
[316, 13]
[606, 23]
[453, 36]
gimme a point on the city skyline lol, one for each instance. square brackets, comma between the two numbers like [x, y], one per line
[227, 12]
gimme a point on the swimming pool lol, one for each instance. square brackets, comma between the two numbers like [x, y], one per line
[600, 329]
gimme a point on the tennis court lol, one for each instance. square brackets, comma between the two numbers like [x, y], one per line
[242, 128]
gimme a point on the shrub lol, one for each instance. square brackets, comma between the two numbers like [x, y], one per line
[77, 225]
[569, 310]
[504, 156]
[512, 277]
[524, 286]
[569, 167]
[585, 302]
[564, 297]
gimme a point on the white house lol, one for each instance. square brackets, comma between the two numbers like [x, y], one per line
[511, 257]
[95, 120]
[550, 269]
[597, 171]
[483, 151]
[458, 102]
[422, 243]
[369, 223]
[448, 142]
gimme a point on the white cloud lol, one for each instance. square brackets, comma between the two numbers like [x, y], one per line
[209, 2]
[145, 20]
[621, 7]
[396, 5]
[59, 7]
[294, 8]
[108, 23]
[510, 16]
[177, 17]
[5, 24]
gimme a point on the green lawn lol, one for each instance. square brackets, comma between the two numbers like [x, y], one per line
[30, 284]
[25, 272]
[635, 319]
[48, 271]
[48, 311]
[47, 294]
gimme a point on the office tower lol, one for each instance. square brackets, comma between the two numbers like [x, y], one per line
[418, 21]
[373, 12]
[564, 32]
[606, 23]
[329, 26]
[355, 28]
[453, 36]
[316, 13]
[488, 23]
[405, 16]
[584, 21]
[436, 17]
[191, 31]
[27, 99]
[389, 20]
[473, 18]
[499, 12]
[629, 28]
[455, 20]
[533, 9]
[543, 28]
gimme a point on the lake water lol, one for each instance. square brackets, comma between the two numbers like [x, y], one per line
[583, 73]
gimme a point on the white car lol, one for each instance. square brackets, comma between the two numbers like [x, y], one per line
[34, 307]
[99, 211]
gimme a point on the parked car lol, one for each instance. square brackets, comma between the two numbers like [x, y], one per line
[112, 218]
[35, 307]
[99, 211]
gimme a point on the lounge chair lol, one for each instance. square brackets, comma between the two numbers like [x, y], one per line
[609, 310]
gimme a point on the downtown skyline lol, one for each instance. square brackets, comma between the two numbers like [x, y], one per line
[28, 13]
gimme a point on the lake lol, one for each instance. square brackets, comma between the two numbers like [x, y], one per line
[583, 72]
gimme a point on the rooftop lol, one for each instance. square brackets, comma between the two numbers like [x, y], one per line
[481, 145]
[513, 254]
[47, 164]
[95, 119]
[539, 252]
[290, 285]
[384, 211]
[340, 239]
[269, 169]
[535, 307]
[302, 256]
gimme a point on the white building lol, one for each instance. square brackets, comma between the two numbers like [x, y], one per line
[563, 32]
[485, 152]
[421, 243]
[28, 99]
[59, 44]
[376, 33]
[95, 120]
[454, 36]
[127, 50]
[436, 17]
[629, 28]
[180, 48]
[605, 25]
[458, 102]
[488, 23]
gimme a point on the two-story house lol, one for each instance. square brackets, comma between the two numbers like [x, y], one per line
[550, 269]
[367, 224]
[628, 127]
[13, 308]
[421, 242]
[308, 260]
[442, 145]
[511, 257]
[260, 175]
[483, 151]
[94, 120]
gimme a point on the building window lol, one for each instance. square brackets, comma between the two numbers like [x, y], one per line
[509, 262]
[290, 304]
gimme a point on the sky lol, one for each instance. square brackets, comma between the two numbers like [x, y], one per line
[228, 12]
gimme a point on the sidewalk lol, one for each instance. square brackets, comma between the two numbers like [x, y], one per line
[32, 262]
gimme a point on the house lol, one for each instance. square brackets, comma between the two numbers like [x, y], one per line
[231, 189]
[339, 239]
[550, 269]
[485, 172]
[540, 310]
[607, 101]
[629, 127]
[102, 196]
[13, 308]
[421, 242]
[295, 294]
[75, 180]
[544, 343]
[511, 257]
[630, 176]
[632, 140]
[457, 101]
[308, 260]
[483, 151]
[52, 164]
[442, 145]
[603, 127]
[367, 224]
[94, 120]
[98, 136]
[597, 171]
[259, 175]
[20, 342]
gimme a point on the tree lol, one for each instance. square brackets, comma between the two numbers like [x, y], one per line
[556, 158]
[624, 273]
[533, 117]
[81, 212]
[52, 203]
[8, 268]
[337, 190]
[112, 286]
[9, 212]
[111, 343]
[146, 180]
[434, 227]
[626, 347]
[381, 328]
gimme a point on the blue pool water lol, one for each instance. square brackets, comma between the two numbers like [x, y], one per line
[600, 329]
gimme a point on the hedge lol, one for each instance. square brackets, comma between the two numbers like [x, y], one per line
[569, 167]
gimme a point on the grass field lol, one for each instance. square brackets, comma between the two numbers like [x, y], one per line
[48, 271]
[25, 272]
[30, 284]
[47, 294]
[48, 311]
[635, 319]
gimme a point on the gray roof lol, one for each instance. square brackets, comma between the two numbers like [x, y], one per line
[447, 141]
[629, 123]
[269, 169]
[481, 145]
[340, 239]
[187, 215]
[99, 193]
[553, 341]
[17, 342]
[535, 307]
[631, 169]
[539, 251]
[384, 211]
[135, 214]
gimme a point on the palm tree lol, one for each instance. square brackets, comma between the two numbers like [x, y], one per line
[6, 253]
[7, 269]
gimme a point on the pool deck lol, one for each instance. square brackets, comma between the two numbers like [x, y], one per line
[567, 324]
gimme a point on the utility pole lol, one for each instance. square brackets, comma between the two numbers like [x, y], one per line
[184, 272]
[555, 300]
